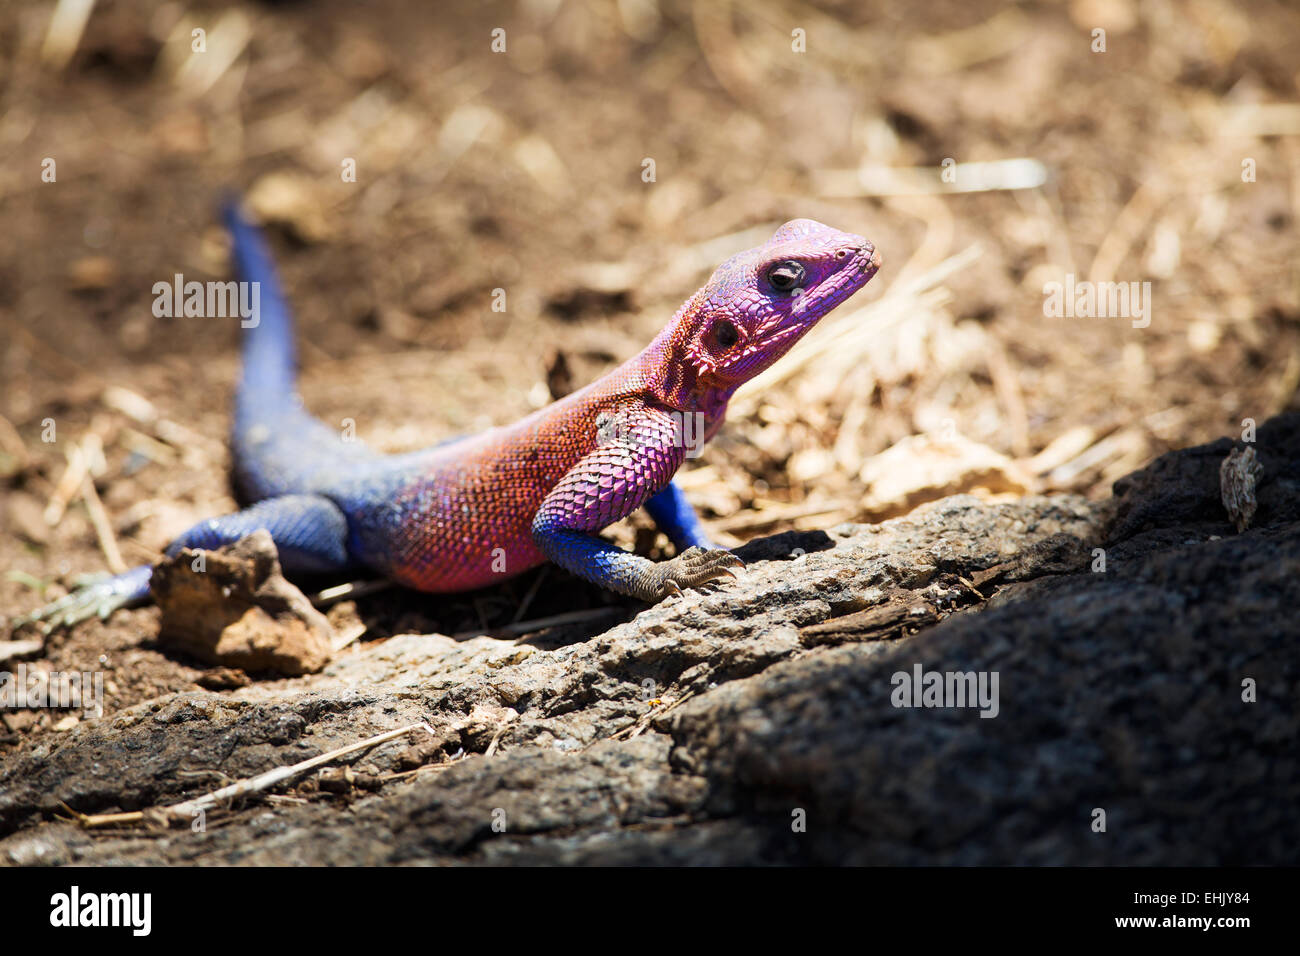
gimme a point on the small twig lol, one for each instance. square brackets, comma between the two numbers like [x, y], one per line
[10, 649]
[93, 821]
[492, 747]
[638, 726]
[131, 404]
[353, 589]
[1125, 229]
[284, 798]
[482, 617]
[1259, 119]
[729, 63]
[228, 37]
[223, 777]
[103, 529]
[347, 637]
[540, 623]
[1007, 387]
[531, 593]
[459, 757]
[1095, 456]
[184, 811]
[994, 176]
[66, 28]
[747, 520]
[68, 485]
[280, 775]
[146, 446]
[1063, 448]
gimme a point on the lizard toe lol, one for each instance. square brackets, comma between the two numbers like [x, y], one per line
[695, 567]
[100, 597]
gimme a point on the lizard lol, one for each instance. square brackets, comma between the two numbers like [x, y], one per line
[474, 510]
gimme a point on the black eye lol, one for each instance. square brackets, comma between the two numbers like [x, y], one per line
[725, 334]
[785, 276]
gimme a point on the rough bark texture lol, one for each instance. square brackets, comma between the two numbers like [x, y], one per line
[754, 723]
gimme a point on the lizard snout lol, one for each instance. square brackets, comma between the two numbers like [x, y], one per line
[865, 253]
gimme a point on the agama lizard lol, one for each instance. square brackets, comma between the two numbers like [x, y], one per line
[473, 510]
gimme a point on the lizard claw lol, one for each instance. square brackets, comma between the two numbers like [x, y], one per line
[694, 567]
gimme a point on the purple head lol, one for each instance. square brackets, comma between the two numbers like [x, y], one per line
[761, 302]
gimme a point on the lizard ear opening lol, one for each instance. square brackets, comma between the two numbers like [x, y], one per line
[723, 334]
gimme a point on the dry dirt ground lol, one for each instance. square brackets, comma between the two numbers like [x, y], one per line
[523, 171]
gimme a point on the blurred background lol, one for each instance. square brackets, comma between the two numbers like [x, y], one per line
[524, 170]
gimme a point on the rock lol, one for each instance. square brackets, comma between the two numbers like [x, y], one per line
[1238, 476]
[1160, 691]
[238, 611]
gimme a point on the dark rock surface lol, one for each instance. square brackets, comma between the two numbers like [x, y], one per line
[754, 723]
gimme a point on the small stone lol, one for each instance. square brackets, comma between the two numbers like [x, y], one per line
[224, 678]
[240, 612]
[92, 273]
[1238, 474]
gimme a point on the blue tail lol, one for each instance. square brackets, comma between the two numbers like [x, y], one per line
[278, 448]
[270, 359]
[280, 453]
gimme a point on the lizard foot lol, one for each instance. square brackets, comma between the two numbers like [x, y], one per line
[100, 596]
[691, 568]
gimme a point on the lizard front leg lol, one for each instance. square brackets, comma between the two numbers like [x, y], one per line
[677, 519]
[621, 474]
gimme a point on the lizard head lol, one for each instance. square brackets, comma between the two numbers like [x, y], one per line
[759, 303]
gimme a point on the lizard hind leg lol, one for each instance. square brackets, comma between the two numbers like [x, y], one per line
[309, 531]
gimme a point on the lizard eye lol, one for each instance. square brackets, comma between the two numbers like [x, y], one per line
[724, 334]
[784, 276]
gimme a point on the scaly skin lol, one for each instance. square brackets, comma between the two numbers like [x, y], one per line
[470, 512]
